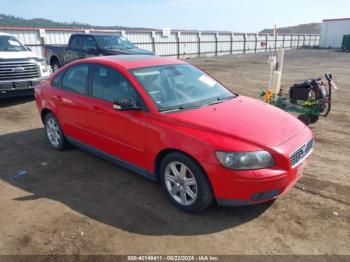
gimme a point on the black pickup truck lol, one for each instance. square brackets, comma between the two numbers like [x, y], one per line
[87, 45]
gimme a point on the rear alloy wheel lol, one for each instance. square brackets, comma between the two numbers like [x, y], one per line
[54, 132]
[185, 184]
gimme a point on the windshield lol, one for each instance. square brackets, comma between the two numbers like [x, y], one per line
[113, 42]
[180, 86]
[10, 43]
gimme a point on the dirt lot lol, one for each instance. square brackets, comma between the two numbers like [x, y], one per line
[73, 203]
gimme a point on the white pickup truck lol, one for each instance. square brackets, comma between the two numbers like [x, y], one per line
[20, 68]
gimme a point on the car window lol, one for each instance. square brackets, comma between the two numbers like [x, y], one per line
[56, 81]
[76, 79]
[77, 42]
[110, 85]
[180, 86]
[113, 42]
[10, 44]
[89, 43]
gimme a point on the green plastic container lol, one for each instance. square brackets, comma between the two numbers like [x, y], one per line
[346, 43]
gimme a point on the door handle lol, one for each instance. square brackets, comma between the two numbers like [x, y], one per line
[58, 99]
[66, 100]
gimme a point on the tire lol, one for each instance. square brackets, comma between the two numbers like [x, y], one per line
[190, 187]
[305, 119]
[54, 132]
[55, 65]
[314, 119]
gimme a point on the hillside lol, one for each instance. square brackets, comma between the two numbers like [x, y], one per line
[313, 28]
[10, 20]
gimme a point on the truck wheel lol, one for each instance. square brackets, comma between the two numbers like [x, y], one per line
[314, 119]
[185, 184]
[55, 65]
[305, 119]
[54, 132]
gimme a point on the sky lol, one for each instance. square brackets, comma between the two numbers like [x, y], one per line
[220, 15]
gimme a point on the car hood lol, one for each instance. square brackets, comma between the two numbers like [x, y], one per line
[17, 55]
[129, 51]
[244, 118]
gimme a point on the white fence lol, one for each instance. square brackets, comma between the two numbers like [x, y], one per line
[181, 44]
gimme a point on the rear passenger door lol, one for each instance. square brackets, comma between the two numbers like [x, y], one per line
[71, 101]
[121, 134]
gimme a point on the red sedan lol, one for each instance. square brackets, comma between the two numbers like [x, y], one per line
[171, 122]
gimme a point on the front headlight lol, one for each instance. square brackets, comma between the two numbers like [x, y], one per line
[44, 66]
[245, 160]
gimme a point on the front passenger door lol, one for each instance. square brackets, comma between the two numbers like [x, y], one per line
[121, 134]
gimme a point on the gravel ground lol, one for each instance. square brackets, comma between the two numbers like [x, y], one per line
[74, 203]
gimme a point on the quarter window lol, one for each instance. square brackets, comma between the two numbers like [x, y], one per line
[76, 79]
[110, 85]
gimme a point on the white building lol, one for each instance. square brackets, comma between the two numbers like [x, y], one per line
[332, 32]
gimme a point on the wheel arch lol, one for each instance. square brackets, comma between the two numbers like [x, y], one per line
[54, 58]
[164, 152]
[44, 113]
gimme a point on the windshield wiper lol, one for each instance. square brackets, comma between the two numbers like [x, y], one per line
[217, 100]
[179, 108]
[208, 103]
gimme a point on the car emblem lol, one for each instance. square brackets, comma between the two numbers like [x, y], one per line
[18, 69]
[303, 149]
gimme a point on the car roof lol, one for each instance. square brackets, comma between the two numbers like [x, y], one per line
[90, 34]
[135, 61]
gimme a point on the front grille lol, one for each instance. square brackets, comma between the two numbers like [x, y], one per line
[301, 153]
[11, 71]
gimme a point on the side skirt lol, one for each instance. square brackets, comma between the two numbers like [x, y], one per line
[112, 159]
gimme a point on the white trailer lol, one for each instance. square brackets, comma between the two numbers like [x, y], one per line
[332, 32]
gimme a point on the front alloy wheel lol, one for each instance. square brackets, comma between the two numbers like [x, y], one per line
[185, 183]
[180, 183]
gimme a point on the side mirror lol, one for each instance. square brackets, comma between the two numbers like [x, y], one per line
[125, 104]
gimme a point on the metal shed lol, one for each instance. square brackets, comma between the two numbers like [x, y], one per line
[332, 32]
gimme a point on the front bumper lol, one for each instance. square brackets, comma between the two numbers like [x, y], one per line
[19, 87]
[251, 187]
[239, 188]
